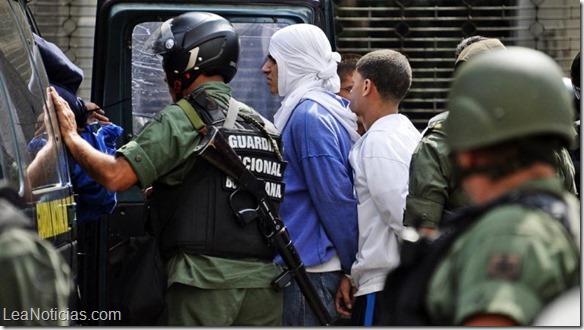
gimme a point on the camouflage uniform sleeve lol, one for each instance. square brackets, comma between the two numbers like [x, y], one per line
[34, 279]
[511, 263]
[163, 149]
[429, 182]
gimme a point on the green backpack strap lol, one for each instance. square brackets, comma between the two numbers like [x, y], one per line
[193, 116]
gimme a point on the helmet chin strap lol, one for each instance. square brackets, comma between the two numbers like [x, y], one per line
[181, 84]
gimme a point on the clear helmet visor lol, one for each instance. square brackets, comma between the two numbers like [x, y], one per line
[161, 40]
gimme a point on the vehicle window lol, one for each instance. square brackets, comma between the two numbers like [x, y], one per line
[22, 103]
[150, 92]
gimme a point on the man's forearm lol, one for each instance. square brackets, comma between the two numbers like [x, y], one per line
[42, 169]
[113, 173]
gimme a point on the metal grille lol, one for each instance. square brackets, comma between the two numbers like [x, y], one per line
[427, 32]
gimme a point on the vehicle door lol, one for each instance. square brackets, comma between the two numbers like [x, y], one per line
[33, 160]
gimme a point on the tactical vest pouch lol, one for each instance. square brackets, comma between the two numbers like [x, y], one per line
[196, 218]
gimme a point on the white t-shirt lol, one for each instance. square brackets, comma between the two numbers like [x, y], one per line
[381, 161]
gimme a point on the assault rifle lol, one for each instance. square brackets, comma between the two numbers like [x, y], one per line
[217, 151]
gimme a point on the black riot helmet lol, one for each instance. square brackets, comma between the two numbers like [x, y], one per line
[195, 43]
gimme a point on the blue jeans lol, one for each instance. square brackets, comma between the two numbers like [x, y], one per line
[297, 312]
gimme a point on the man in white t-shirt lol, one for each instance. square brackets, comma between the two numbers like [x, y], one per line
[380, 162]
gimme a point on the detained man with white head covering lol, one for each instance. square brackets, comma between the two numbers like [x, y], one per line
[318, 131]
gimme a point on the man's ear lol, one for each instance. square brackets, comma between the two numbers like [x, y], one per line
[367, 87]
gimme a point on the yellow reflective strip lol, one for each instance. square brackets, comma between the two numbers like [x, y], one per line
[52, 217]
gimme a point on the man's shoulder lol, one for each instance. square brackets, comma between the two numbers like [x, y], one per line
[319, 104]
[432, 143]
[10, 216]
[15, 241]
[310, 112]
[250, 111]
[513, 219]
[170, 112]
[306, 105]
[435, 131]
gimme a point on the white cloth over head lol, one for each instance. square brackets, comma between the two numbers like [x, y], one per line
[307, 69]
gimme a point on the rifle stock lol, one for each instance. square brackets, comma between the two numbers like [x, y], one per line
[217, 151]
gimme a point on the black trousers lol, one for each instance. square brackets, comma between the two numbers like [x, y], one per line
[366, 310]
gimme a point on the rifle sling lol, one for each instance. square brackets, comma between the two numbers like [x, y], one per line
[193, 116]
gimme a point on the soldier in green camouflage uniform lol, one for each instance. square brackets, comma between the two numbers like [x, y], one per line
[513, 259]
[433, 192]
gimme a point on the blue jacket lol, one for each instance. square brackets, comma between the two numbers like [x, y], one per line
[319, 208]
[94, 200]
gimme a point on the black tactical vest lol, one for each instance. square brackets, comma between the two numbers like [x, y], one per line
[404, 295]
[198, 217]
